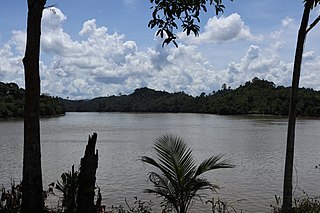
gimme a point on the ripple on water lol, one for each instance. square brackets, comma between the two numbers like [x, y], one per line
[255, 145]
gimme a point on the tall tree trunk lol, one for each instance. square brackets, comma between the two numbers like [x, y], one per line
[287, 185]
[32, 198]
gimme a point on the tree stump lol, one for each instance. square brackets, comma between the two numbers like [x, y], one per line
[87, 177]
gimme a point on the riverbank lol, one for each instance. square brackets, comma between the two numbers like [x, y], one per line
[255, 97]
[256, 145]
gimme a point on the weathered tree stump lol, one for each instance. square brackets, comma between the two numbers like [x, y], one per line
[87, 177]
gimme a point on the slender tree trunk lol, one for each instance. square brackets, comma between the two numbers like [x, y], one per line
[32, 198]
[287, 185]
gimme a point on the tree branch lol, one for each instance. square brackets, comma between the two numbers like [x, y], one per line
[314, 23]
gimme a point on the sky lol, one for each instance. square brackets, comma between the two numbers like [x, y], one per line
[104, 47]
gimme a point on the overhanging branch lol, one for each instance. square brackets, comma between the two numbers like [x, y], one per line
[314, 23]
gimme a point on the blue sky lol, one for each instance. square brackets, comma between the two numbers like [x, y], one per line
[104, 47]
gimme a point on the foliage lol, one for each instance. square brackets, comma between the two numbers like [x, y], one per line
[10, 201]
[142, 100]
[302, 34]
[221, 206]
[315, 3]
[254, 97]
[69, 187]
[305, 205]
[12, 102]
[137, 207]
[166, 15]
[179, 180]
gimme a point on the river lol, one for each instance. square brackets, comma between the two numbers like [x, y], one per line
[254, 144]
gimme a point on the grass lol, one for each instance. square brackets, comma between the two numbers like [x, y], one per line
[306, 204]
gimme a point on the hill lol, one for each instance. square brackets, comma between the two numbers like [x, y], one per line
[141, 100]
[254, 97]
[12, 102]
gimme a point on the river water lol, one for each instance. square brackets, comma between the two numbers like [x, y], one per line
[254, 144]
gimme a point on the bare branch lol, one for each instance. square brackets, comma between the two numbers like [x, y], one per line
[314, 23]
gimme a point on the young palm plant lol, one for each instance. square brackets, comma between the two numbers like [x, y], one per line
[69, 189]
[179, 182]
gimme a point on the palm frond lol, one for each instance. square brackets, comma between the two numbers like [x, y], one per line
[179, 182]
[173, 152]
[211, 163]
[163, 169]
[161, 182]
[162, 187]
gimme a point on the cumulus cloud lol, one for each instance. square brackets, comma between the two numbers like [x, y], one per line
[101, 63]
[221, 29]
[53, 39]
[11, 68]
[286, 21]
[258, 63]
[286, 34]
[310, 55]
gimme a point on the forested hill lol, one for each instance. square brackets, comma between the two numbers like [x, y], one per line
[255, 97]
[12, 102]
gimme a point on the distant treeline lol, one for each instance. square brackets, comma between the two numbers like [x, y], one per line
[12, 102]
[254, 97]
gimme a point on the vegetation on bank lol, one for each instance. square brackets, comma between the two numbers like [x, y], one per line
[176, 179]
[10, 201]
[12, 102]
[254, 97]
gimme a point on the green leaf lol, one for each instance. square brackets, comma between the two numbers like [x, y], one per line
[178, 181]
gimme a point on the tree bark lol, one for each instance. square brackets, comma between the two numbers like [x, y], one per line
[87, 178]
[32, 189]
[287, 185]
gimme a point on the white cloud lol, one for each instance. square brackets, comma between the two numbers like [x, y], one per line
[309, 55]
[221, 29]
[101, 63]
[11, 68]
[286, 21]
[18, 40]
[259, 63]
[285, 35]
[53, 39]
[52, 19]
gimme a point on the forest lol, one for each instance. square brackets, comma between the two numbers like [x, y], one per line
[254, 97]
[12, 102]
[258, 96]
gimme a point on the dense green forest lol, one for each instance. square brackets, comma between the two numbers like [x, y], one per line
[254, 97]
[12, 102]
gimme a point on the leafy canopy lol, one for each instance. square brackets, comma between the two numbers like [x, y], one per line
[315, 3]
[166, 14]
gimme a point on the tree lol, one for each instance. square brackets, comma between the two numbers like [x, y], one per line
[69, 186]
[179, 179]
[224, 87]
[166, 14]
[188, 11]
[303, 31]
[32, 189]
